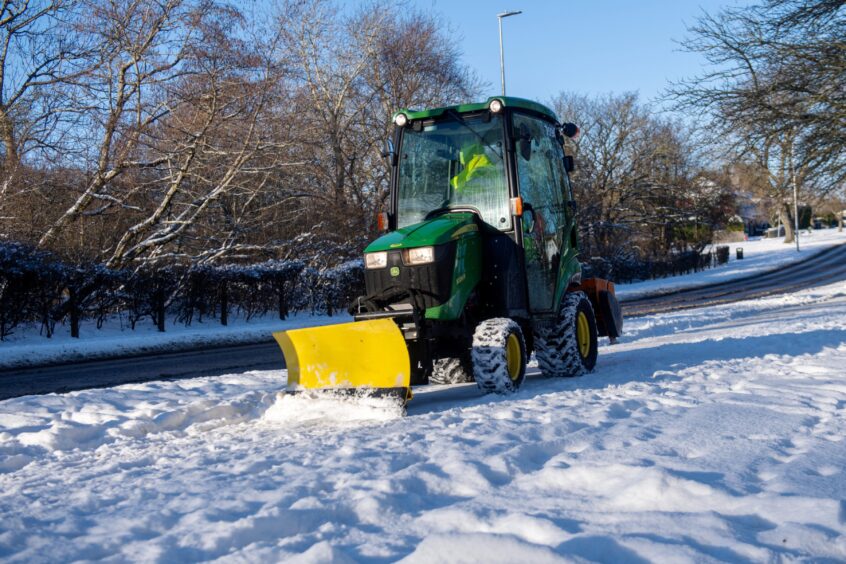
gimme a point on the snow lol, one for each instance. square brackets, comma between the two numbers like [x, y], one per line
[27, 348]
[703, 435]
[759, 255]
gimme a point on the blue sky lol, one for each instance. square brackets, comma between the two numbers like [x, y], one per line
[587, 46]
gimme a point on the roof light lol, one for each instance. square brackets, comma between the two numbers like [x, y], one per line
[496, 106]
[401, 120]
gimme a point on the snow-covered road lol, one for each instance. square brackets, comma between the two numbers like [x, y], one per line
[710, 434]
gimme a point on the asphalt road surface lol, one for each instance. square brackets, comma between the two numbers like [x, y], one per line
[820, 269]
[140, 368]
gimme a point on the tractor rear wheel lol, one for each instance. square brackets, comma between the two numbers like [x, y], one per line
[569, 346]
[451, 370]
[499, 355]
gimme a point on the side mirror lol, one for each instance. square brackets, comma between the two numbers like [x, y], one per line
[569, 163]
[571, 130]
[528, 218]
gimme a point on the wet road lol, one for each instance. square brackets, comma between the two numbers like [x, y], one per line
[820, 269]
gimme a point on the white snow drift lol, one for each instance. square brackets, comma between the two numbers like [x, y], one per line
[712, 434]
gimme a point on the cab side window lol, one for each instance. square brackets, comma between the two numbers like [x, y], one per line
[540, 170]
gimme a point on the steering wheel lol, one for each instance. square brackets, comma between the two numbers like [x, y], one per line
[448, 209]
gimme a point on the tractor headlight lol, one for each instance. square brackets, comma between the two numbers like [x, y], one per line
[376, 260]
[400, 120]
[420, 255]
[496, 106]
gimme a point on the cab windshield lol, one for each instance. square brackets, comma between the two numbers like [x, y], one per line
[456, 162]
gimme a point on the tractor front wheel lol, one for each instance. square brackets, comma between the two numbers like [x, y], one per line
[569, 346]
[499, 356]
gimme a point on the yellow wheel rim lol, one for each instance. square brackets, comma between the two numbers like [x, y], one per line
[583, 334]
[512, 356]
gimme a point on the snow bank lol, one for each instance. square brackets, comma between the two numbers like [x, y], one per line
[759, 255]
[711, 434]
[30, 349]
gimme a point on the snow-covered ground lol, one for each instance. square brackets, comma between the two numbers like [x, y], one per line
[716, 434]
[759, 255]
[28, 348]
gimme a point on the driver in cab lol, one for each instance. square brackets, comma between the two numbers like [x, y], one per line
[476, 167]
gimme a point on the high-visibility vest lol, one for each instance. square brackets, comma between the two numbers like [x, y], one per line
[475, 161]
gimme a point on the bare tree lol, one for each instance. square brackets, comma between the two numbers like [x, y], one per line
[638, 180]
[192, 132]
[353, 72]
[214, 151]
[775, 90]
[140, 49]
[38, 49]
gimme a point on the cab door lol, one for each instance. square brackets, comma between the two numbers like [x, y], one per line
[541, 178]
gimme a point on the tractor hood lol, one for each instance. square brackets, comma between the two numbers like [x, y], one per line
[437, 231]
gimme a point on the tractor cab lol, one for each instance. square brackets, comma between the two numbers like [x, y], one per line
[503, 161]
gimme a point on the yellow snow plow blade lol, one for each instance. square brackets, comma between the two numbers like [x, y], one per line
[348, 356]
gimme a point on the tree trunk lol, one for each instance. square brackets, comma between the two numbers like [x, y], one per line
[224, 304]
[74, 313]
[7, 136]
[283, 303]
[787, 221]
[160, 309]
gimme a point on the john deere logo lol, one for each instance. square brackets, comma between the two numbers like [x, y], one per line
[394, 271]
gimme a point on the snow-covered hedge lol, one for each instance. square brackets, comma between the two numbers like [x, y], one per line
[628, 266]
[37, 288]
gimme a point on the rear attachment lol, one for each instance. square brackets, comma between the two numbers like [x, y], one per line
[359, 358]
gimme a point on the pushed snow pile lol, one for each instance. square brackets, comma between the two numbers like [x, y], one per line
[477, 547]
[313, 409]
[91, 419]
[716, 434]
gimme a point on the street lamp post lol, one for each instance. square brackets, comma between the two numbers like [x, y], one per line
[501, 55]
[795, 199]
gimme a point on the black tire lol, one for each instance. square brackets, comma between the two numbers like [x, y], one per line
[499, 356]
[557, 345]
[451, 370]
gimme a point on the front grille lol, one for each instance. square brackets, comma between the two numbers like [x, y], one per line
[432, 282]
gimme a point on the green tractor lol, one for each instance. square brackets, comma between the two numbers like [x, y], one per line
[478, 266]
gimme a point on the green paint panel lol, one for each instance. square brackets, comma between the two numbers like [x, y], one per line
[507, 101]
[436, 231]
[465, 277]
